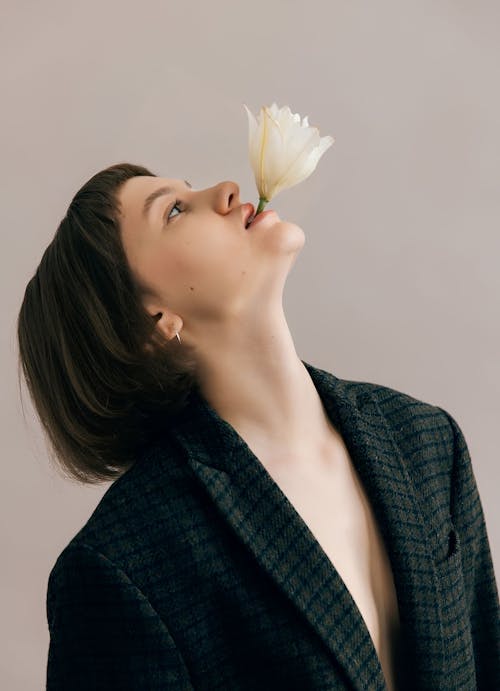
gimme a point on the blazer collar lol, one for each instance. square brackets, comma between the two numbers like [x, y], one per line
[247, 496]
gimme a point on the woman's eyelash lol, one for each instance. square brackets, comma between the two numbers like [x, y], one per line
[176, 204]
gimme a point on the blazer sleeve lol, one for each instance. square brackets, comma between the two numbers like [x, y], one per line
[482, 592]
[104, 633]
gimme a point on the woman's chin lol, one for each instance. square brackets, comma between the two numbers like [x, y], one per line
[283, 236]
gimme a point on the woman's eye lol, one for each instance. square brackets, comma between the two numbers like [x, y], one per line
[176, 205]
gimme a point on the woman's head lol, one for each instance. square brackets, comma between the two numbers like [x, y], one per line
[101, 376]
[97, 324]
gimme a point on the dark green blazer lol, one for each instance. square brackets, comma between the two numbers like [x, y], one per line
[195, 571]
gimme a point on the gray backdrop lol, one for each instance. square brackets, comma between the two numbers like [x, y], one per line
[398, 281]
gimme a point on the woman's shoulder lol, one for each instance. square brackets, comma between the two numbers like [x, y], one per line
[149, 492]
[413, 421]
[400, 406]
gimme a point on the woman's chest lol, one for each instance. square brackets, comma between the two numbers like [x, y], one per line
[334, 505]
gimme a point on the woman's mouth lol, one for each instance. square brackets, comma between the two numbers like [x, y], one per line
[256, 219]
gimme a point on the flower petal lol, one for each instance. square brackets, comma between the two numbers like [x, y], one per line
[283, 148]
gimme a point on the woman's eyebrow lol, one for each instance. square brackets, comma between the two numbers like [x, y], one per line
[159, 192]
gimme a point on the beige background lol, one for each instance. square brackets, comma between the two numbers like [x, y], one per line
[398, 282]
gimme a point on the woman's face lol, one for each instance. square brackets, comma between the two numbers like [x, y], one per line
[191, 253]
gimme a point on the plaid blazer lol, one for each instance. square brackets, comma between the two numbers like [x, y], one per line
[195, 571]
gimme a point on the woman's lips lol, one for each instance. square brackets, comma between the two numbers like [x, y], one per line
[259, 217]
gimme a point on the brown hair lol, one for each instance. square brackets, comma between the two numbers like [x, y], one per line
[99, 393]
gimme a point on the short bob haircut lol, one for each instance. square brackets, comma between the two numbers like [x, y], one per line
[100, 393]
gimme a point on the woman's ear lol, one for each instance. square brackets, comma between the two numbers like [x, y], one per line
[167, 322]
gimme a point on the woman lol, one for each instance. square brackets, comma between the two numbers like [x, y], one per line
[269, 525]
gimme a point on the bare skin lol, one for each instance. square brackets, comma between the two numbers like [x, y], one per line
[221, 287]
[333, 503]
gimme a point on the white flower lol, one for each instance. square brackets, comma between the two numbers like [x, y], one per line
[283, 150]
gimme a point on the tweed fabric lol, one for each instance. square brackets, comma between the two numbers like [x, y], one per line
[195, 571]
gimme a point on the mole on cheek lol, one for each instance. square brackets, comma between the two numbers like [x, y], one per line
[191, 288]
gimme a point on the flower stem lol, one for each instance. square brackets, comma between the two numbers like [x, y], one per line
[262, 202]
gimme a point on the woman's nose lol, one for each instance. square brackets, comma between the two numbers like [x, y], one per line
[227, 196]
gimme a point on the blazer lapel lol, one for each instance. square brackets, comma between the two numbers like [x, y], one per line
[406, 525]
[264, 519]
